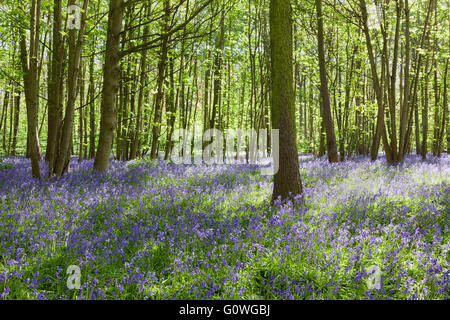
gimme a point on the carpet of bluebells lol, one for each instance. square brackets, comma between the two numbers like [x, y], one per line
[150, 230]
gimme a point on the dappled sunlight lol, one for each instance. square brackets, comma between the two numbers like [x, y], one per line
[156, 230]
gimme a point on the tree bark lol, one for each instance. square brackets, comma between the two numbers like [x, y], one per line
[91, 95]
[30, 75]
[217, 76]
[445, 121]
[380, 131]
[55, 77]
[16, 122]
[76, 38]
[324, 93]
[404, 106]
[424, 147]
[161, 75]
[287, 182]
[111, 73]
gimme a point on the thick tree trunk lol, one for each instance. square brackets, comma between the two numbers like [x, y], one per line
[287, 182]
[30, 75]
[111, 73]
[55, 77]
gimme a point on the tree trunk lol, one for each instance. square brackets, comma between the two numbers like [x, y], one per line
[92, 106]
[4, 114]
[16, 122]
[219, 45]
[380, 131]
[55, 77]
[111, 73]
[30, 75]
[172, 109]
[324, 93]
[445, 121]
[81, 120]
[404, 106]
[161, 74]
[76, 38]
[287, 182]
[424, 147]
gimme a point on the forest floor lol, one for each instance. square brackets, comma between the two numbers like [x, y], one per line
[147, 230]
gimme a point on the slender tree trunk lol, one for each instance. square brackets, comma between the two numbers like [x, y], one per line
[4, 112]
[380, 131]
[404, 106]
[161, 74]
[172, 109]
[91, 95]
[16, 122]
[436, 131]
[424, 147]
[417, 129]
[393, 81]
[219, 45]
[324, 93]
[81, 120]
[445, 121]
[76, 38]
[142, 84]
[413, 98]
[5, 124]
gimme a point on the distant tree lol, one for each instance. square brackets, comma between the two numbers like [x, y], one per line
[162, 64]
[324, 93]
